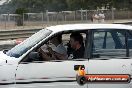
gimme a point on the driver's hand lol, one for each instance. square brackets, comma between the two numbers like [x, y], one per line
[50, 49]
[39, 50]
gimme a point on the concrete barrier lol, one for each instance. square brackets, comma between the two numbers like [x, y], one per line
[16, 34]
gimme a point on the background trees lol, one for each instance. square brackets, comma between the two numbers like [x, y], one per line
[59, 5]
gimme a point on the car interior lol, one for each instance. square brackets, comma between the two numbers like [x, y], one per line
[34, 55]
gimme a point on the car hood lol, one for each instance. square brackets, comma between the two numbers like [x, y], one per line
[3, 58]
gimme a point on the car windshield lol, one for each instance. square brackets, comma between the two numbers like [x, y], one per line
[23, 47]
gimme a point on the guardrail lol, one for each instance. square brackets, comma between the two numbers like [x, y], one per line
[15, 34]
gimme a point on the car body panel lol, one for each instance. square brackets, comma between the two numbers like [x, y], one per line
[14, 71]
[112, 66]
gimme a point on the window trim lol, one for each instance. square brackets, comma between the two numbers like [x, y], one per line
[126, 44]
[88, 50]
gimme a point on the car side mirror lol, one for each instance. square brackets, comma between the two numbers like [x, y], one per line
[34, 56]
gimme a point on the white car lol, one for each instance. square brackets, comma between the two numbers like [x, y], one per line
[107, 59]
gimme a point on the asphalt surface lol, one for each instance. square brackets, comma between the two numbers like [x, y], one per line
[46, 85]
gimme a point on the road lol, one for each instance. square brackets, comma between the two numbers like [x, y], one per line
[46, 85]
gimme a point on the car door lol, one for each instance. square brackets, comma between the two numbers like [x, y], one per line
[109, 61]
[49, 74]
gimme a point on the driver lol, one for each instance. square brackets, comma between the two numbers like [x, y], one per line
[59, 53]
[76, 42]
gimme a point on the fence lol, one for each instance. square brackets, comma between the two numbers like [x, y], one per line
[40, 20]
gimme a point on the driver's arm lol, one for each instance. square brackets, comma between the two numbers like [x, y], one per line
[56, 55]
[45, 55]
[60, 56]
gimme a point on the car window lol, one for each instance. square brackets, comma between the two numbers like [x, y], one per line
[58, 47]
[103, 40]
[23, 47]
[107, 44]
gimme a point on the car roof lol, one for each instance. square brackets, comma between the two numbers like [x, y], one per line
[67, 27]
